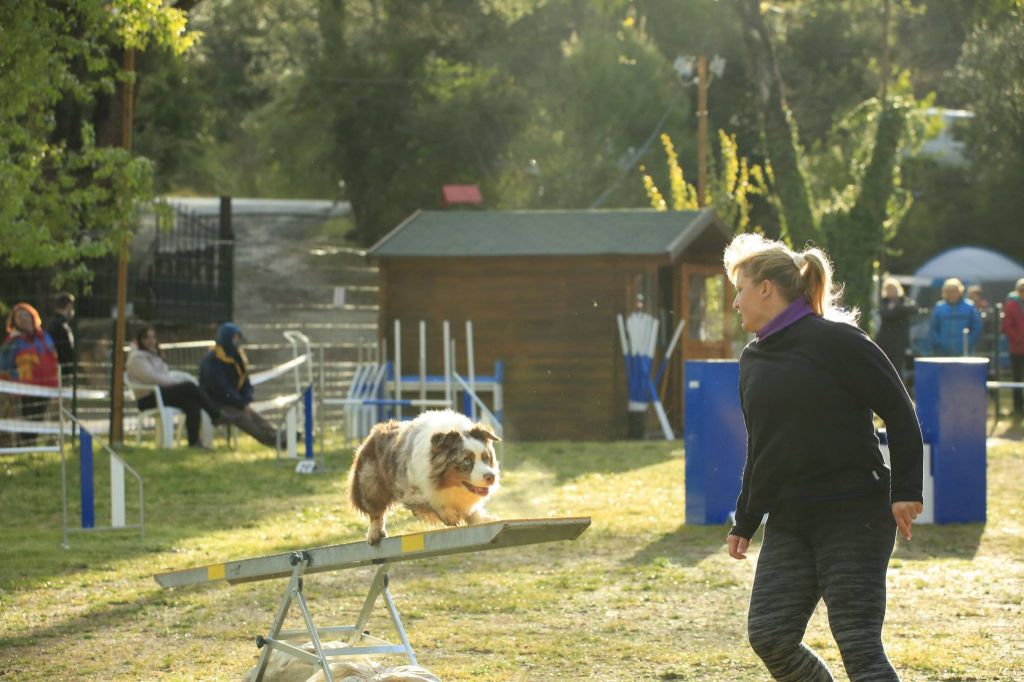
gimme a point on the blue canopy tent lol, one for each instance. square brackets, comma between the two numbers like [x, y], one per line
[973, 265]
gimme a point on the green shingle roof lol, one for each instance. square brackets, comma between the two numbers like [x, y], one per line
[636, 232]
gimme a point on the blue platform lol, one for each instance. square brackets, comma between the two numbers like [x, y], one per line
[952, 405]
[715, 440]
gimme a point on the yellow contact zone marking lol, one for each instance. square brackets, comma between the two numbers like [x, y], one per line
[215, 572]
[412, 543]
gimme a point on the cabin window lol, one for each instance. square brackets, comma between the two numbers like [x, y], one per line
[640, 293]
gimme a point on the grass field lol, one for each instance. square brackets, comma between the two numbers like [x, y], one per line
[639, 596]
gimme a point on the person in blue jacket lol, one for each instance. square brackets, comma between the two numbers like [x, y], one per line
[949, 320]
[224, 377]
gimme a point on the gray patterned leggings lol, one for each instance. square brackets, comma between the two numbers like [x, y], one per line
[837, 551]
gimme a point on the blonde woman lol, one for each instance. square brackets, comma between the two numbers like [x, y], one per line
[950, 318]
[809, 383]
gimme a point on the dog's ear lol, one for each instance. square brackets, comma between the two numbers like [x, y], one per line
[483, 434]
[443, 442]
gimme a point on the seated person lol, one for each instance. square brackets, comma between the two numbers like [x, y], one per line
[146, 366]
[224, 376]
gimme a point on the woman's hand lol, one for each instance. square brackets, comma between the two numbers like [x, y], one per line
[905, 513]
[738, 546]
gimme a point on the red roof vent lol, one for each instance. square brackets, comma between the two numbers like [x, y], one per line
[460, 195]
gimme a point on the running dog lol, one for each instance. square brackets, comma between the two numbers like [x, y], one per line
[441, 466]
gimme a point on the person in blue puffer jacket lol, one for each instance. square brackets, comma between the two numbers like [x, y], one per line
[949, 320]
[224, 377]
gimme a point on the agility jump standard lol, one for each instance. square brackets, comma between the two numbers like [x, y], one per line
[66, 427]
[496, 535]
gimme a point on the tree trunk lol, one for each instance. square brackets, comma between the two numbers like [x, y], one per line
[857, 240]
[798, 223]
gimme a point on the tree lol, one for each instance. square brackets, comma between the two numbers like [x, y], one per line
[412, 97]
[600, 96]
[851, 221]
[64, 197]
[990, 76]
[984, 196]
[244, 129]
[799, 224]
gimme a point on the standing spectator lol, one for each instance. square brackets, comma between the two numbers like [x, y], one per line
[894, 332]
[63, 337]
[976, 295]
[949, 320]
[28, 355]
[146, 366]
[224, 376]
[1013, 327]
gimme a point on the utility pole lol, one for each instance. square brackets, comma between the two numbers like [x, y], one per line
[117, 390]
[702, 130]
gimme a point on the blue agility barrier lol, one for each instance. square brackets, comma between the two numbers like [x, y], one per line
[85, 464]
[715, 440]
[952, 404]
[87, 494]
[307, 423]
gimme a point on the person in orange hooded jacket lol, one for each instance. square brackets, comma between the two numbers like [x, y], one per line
[28, 356]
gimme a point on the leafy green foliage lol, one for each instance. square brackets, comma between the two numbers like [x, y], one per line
[582, 150]
[63, 197]
[990, 74]
[979, 203]
[856, 238]
[861, 197]
[548, 103]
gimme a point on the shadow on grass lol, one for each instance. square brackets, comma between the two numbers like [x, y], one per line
[571, 460]
[689, 545]
[953, 540]
[685, 546]
[140, 608]
[188, 493]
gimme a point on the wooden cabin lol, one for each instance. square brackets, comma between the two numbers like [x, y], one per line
[543, 289]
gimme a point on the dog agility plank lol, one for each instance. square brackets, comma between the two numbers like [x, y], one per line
[480, 537]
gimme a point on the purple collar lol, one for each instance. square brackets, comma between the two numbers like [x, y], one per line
[796, 310]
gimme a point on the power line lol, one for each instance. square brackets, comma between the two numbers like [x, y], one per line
[639, 153]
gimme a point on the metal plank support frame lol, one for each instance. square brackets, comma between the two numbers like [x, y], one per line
[295, 565]
[274, 641]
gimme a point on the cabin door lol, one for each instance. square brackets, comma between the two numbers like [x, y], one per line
[706, 305]
[704, 300]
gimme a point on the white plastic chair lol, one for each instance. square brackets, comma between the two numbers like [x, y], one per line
[167, 431]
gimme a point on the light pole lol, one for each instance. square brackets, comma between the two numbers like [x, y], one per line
[684, 66]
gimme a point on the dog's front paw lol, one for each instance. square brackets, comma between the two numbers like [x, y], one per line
[449, 518]
[480, 516]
